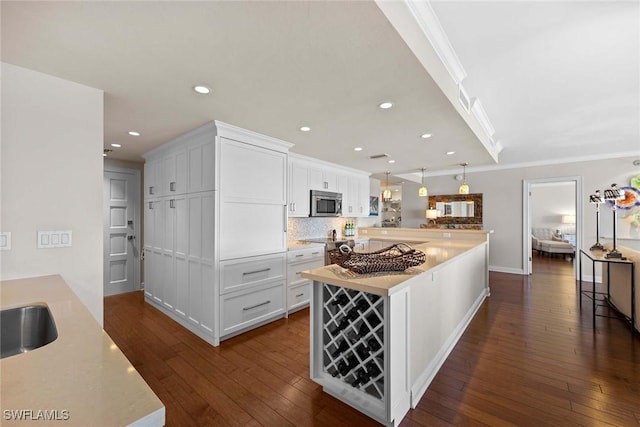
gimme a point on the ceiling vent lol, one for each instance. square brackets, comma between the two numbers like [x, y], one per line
[464, 99]
[378, 156]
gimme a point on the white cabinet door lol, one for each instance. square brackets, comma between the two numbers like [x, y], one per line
[180, 254]
[351, 209]
[199, 295]
[322, 178]
[331, 180]
[299, 195]
[169, 291]
[363, 197]
[151, 176]
[316, 179]
[253, 202]
[156, 243]
[249, 229]
[252, 174]
[201, 160]
[174, 173]
[149, 224]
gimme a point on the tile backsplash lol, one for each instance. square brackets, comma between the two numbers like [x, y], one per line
[306, 228]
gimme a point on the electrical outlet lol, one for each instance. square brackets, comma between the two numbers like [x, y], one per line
[446, 235]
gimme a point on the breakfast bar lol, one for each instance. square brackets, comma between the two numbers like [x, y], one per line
[378, 340]
[81, 378]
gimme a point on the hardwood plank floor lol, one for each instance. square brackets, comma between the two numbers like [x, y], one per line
[529, 357]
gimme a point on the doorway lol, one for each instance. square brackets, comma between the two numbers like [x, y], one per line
[552, 210]
[121, 196]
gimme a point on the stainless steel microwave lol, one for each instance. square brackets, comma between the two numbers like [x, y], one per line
[325, 203]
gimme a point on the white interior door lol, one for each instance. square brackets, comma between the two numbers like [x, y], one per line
[121, 252]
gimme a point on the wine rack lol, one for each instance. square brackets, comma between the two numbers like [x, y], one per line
[353, 338]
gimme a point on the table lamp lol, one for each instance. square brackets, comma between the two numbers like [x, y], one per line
[614, 194]
[596, 199]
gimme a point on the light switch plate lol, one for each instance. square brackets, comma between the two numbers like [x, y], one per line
[54, 239]
[5, 241]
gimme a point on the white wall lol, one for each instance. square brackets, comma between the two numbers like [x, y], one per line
[52, 140]
[502, 201]
[549, 202]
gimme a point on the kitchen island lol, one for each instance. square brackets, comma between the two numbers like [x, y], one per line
[378, 340]
[81, 378]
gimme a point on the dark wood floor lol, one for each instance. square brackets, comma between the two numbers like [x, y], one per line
[529, 357]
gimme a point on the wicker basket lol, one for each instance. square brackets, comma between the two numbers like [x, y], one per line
[397, 257]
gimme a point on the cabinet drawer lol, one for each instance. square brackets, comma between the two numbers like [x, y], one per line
[243, 273]
[298, 296]
[239, 310]
[293, 271]
[304, 255]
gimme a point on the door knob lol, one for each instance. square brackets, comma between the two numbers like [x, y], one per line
[131, 237]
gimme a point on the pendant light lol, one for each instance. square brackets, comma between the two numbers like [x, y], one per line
[422, 192]
[386, 194]
[464, 187]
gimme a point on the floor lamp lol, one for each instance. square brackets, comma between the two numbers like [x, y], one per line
[614, 194]
[596, 199]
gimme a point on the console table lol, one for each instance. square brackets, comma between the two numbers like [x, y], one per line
[599, 257]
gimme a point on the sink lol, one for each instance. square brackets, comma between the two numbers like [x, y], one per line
[26, 328]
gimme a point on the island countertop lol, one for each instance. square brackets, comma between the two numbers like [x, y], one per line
[82, 378]
[438, 253]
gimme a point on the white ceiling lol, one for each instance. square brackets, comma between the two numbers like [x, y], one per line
[558, 80]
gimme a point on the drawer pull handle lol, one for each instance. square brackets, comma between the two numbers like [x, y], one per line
[315, 253]
[264, 270]
[299, 255]
[151, 189]
[257, 305]
[299, 295]
[172, 186]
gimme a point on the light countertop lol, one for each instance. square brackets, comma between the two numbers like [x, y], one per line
[438, 253]
[295, 245]
[82, 372]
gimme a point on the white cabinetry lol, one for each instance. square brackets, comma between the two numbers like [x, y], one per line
[323, 179]
[307, 174]
[179, 256]
[356, 202]
[299, 202]
[253, 200]
[215, 211]
[298, 288]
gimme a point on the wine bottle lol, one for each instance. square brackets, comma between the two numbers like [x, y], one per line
[363, 351]
[362, 305]
[364, 330]
[341, 299]
[361, 378]
[373, 344]
[372, 369]
[342, 347]
[373, 320]
[345, 367]
[344, 322]
[352, 314]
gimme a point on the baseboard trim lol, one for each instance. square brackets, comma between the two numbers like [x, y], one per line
[509, 270]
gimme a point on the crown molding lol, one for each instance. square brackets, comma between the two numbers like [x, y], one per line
[429, 23]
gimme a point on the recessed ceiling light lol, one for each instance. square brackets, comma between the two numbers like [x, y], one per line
[426, 135]
[357, 149]
[202, 89]
[116, 145]
[385, 105]
[134, 133]
[450, 153]
[392, 161]
[305, 128]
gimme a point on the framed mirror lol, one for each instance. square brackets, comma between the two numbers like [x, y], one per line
[457, 208]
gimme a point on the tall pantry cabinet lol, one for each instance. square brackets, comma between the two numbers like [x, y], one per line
[215, 229]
